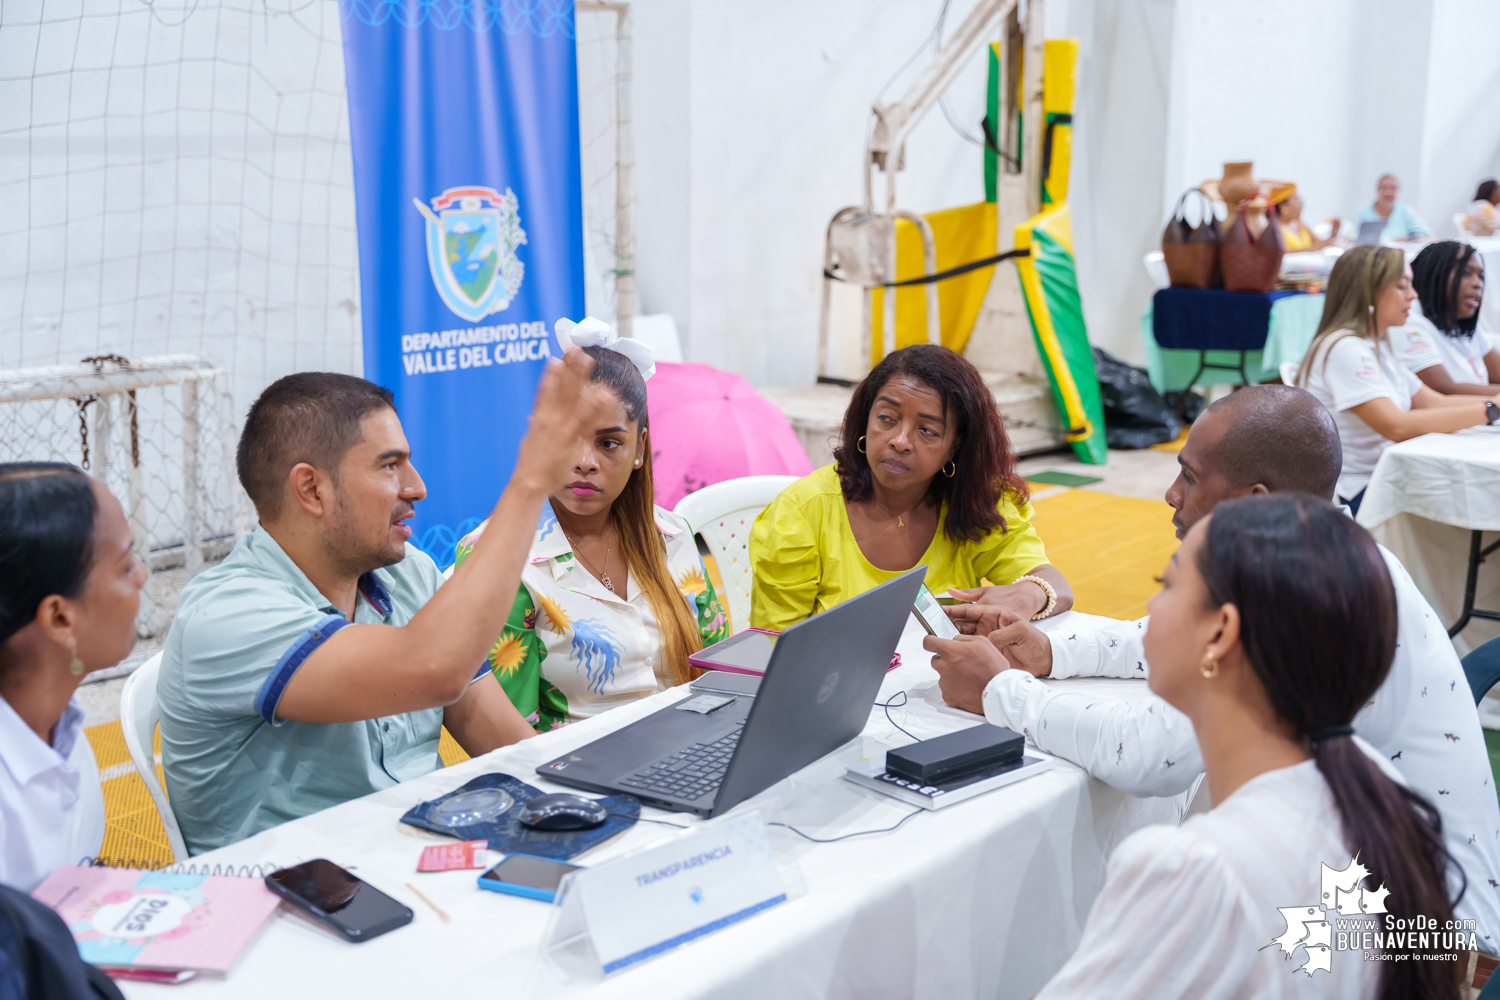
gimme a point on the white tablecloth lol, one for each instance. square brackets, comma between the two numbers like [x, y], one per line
[1426, 496]
[984, 898]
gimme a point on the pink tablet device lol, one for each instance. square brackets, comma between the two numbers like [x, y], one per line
[747, 652]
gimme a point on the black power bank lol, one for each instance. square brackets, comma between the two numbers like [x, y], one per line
[948, 757]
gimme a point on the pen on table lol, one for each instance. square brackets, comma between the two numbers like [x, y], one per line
[435, 908]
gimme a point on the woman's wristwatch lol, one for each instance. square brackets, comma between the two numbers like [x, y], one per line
[1047, 589]
[1491, 412]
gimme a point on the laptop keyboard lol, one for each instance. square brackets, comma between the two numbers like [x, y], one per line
[688, 774]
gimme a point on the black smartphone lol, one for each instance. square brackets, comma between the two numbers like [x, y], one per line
[526, 875]
[338, 900]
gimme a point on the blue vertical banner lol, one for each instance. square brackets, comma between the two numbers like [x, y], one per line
[463, 118]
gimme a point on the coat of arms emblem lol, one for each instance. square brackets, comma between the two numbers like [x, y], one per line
[472, 236]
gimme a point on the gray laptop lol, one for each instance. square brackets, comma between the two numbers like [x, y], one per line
[816, 696]
[1369, 233]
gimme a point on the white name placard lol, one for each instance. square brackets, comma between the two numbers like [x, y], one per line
[648, 903]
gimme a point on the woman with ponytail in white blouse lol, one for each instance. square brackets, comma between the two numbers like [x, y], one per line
[1275, 623]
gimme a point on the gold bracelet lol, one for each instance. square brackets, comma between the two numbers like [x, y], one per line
[1047, 589]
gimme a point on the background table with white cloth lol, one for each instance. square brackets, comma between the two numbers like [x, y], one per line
[1426, 498]
[984, 898]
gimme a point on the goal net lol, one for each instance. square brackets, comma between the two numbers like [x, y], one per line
[176, 188]
[158, 432]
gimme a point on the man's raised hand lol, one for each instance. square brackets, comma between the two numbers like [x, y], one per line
[564, 413]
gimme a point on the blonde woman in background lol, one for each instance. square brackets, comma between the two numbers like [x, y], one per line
[1353, 371]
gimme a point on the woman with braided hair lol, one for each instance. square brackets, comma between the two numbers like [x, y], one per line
[1275, 623]
[1443, 346]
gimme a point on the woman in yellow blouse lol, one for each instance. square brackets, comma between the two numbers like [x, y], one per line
[924, 474]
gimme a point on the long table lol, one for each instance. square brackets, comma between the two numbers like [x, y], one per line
[983, 898]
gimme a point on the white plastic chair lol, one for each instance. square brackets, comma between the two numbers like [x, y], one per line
[723, 514]
[139, 714]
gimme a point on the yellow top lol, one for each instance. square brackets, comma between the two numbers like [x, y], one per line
[805, 560]
[1300, 238]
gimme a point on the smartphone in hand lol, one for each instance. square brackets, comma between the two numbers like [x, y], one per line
[932, 616]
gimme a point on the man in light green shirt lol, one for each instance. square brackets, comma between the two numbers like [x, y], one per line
[320, 660]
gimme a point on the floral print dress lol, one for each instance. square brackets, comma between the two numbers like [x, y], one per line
[571, 648]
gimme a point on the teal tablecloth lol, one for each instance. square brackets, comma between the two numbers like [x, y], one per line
[1294, 320]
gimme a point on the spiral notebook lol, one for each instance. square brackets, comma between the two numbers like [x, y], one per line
[129, 918]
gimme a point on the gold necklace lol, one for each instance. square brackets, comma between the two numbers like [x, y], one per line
[603, 577]
[899, 522]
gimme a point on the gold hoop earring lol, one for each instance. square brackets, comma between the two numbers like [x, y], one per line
[1210, 666]
[859, 445]
[953, 466]
[75, 666]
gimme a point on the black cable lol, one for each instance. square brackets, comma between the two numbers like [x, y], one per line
[893, 703]
[952, 272]
[857, 833]
[643, 819]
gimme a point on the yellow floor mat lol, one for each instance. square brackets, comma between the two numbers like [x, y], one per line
[133, 834]
[1110, 548]
[1173, 445]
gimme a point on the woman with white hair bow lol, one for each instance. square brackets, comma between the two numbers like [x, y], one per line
[615, 597]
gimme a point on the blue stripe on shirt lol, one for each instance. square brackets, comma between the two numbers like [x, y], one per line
[269, 695]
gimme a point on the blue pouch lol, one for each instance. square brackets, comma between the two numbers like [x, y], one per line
[505, 832]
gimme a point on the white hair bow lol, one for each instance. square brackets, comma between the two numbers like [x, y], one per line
[597, 333]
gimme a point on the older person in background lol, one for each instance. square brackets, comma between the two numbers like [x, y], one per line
[1262, 439]
[1401, 221]
[1482, 218]
[70, 587]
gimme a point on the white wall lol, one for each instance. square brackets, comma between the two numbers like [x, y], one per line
[750, 125]
[1460, 140]
[1119, 155]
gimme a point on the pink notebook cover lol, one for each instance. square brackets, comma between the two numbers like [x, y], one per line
[157, 920]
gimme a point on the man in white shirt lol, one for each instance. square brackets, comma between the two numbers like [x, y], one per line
[1261, 439]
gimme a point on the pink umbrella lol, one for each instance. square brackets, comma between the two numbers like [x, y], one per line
[709, 425]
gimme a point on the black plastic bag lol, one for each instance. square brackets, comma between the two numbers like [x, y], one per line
[1135, 415]
[1186, 403]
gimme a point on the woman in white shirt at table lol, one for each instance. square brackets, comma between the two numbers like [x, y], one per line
[1276, 621]
[70, 587]
[1442, 346]
[1351, 368]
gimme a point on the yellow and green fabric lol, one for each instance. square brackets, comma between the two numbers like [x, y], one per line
[1049, 276]
[959, 235]
[1049, 282]
[571, 648]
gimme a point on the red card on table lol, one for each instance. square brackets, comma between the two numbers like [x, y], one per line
[452, 857]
